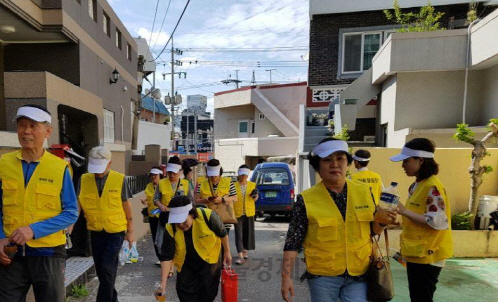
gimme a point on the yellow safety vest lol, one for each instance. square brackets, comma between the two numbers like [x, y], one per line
[222, 189]
[250, 203]
[206, 243]
[373, 180]
[333, 245]
[420, 244]
[150, 191]
[105, 212]
[167, 192]
[38, 201]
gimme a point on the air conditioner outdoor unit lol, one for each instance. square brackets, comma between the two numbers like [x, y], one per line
[369, 138]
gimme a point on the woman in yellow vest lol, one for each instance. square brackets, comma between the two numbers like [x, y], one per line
[333, 221]
[426, 240]
[155, 175]
[169, 187]
[361, 159]
[215, 188]
[104, 196]
[245, 209]
[194, 239]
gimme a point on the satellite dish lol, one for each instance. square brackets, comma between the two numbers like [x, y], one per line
[167, 100]
[156, 93]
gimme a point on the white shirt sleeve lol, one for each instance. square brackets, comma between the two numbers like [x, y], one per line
[435, 213]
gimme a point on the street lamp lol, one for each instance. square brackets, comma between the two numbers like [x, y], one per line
[114, 77]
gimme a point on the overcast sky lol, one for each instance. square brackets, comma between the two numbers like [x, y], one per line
[215, 24]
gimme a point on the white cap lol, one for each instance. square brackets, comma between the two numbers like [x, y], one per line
[326, 148]
[244, 171]
[97, 165]
[407, 153]
[179, 214]
[156, 171]
[33, 113]
[213, 171]
[173, 168]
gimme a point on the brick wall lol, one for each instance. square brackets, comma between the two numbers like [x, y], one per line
[324, 38]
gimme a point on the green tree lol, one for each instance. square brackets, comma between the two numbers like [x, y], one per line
[476, 170]
[426, 19]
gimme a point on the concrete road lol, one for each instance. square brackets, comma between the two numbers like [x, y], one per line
[259, 276]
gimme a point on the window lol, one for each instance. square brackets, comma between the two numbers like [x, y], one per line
[106, 23]
[253, 127]
[92, 9]
[359, 50]
[108, 126]
[118, 38]
[128, 51]
[261, 116]
[243, 127]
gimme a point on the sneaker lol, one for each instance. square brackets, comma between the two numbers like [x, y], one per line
[240, 261]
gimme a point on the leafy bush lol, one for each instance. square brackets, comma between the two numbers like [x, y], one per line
[78, 291]
[461, 221]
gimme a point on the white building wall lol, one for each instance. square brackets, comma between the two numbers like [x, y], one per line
[234, 98]
[388, 106]
[287, 99]
[333, 7]
[490, 94]
[226, 120]
[435, 100]
[263, 127]
[151, 133]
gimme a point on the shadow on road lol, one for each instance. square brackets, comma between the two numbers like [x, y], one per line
[275, 219]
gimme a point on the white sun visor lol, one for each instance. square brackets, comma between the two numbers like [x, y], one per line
[34, 114]
[244, 171]
[97, 165]
[173, 168]
[179, 214]
[213, 171]
[326, 148]
[360, 158]
[407, 153]
[156, 171]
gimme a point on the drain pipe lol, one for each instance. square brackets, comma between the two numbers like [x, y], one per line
[122, 128]
[467, 68]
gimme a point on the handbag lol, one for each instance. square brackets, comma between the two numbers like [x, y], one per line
[224, 210]
[229, 285]
[380, 286]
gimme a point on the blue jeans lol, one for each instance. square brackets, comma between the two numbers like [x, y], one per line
[330, 289]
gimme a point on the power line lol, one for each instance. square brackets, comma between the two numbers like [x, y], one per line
[153, 22]
[162, 24]
[173, 32]
[252, 49]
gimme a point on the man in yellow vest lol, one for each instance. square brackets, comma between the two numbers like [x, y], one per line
[104, 198]
[37, 203]
[361, 159]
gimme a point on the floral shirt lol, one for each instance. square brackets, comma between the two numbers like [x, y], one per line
[435, 214]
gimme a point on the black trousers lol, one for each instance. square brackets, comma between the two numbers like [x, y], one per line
[106, 247]
[244, 234]
[422, 280]
[46, 274]
[154, 223]
[200, 283]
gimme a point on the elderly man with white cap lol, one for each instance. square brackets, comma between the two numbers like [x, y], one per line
[104, 196]
[333, 221]
[194, 238]
[37, 203]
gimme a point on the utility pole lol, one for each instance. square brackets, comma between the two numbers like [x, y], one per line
[195, 131]
[188, 122]
[237, 79]
[173, 86]
[253, 81]
[270, 70]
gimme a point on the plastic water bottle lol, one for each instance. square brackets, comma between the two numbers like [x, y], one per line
[134, 253]
[69, 243]
[390, 197]
[158, 293]
[155, 211]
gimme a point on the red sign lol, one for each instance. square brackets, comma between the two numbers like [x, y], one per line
[204, 156]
